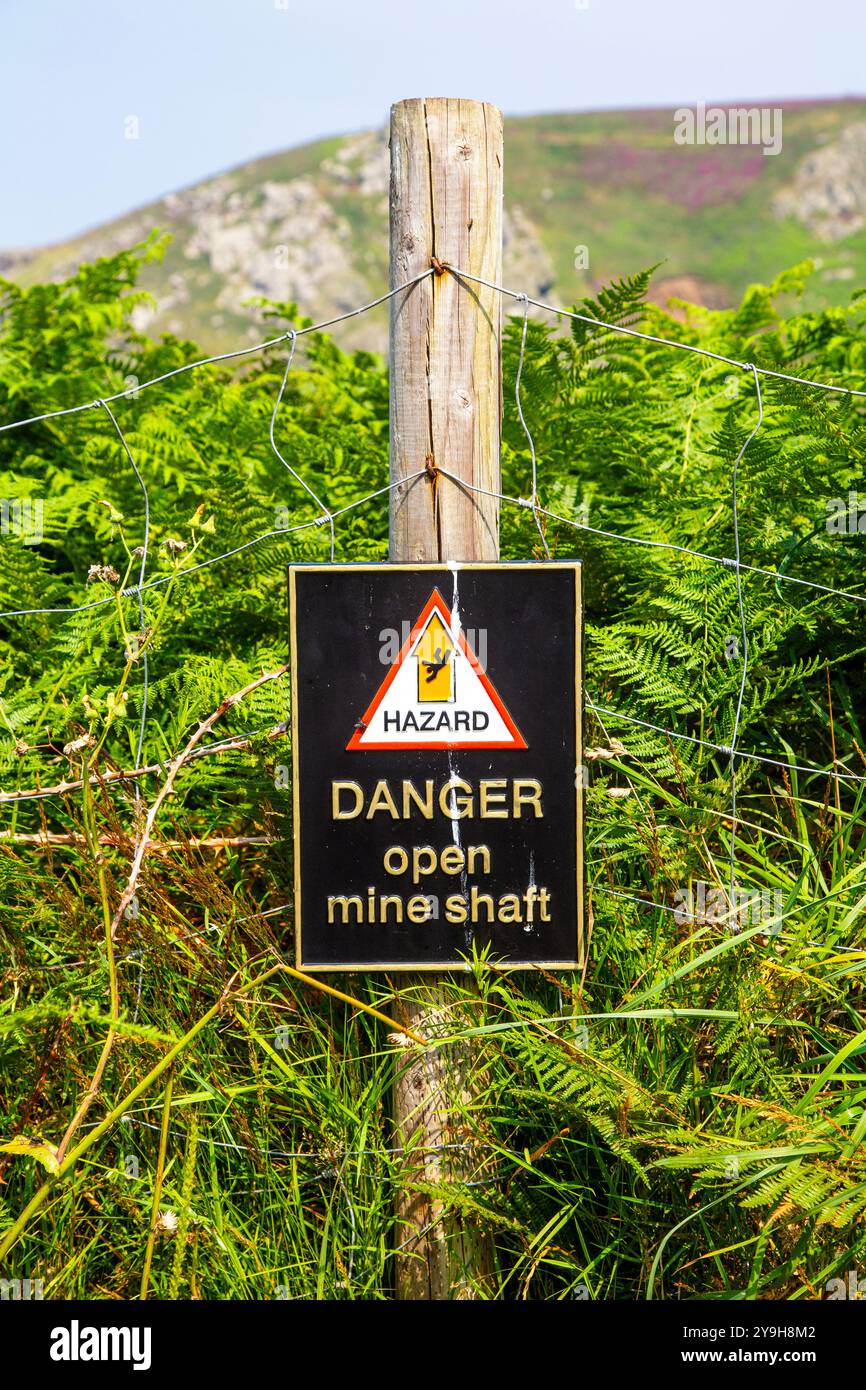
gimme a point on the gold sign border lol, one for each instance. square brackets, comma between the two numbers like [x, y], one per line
[440, 967]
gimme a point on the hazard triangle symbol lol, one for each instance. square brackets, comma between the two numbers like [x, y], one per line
[436, 694]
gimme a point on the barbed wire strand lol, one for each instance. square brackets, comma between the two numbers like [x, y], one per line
[292, 335]
[219, 357]
[541, 511]
[326, 516]
[523, 502]
[743, 633]
[737, 564]
[226, 555]
[534, 498]
[784, 765]
[141, 579]
[145, 662]
[725, 560]
[131, 1119]
[532, 503]
[119, 777]
[843, 773]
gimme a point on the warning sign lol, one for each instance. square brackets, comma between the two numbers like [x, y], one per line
[436, 762]
[436, 694]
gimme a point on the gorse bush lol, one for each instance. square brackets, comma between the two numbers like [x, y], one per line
[683, 1120]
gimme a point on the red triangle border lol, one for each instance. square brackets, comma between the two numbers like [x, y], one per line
[434, 602]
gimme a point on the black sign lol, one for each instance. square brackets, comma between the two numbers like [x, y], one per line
[436, 754]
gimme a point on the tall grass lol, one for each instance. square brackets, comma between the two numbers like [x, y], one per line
[683, 1120]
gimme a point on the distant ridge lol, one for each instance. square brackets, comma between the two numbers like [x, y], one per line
[589, 197]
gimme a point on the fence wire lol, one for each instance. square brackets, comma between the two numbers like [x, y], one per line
[327, 517]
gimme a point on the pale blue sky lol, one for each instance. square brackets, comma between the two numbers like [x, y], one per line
[216, 82]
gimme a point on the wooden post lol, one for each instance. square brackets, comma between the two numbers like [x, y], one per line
[446, 342]
[446, 411]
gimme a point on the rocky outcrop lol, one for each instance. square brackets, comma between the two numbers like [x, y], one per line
[282, 241]
[526, 264]
[828, 194]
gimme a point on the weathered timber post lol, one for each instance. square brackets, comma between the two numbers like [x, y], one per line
[446, 411]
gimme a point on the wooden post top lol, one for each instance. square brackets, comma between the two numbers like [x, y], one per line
[446, 393]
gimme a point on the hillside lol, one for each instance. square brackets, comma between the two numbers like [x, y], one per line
[310, 224]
